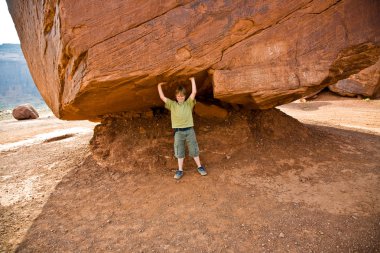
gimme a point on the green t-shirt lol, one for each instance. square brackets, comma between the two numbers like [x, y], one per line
[181, 114]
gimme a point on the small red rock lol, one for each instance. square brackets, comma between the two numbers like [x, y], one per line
[25, 111]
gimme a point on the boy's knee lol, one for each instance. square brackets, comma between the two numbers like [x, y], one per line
[193, 149]
[179, 150]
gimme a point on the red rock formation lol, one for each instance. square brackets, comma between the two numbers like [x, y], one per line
[25, 111]
[316, 45]
[94, 58]
[210, 111]
[365, 83]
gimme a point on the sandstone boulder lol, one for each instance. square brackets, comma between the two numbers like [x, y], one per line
[210, 111]
[95, 58]
[366, 83]
[25, 111]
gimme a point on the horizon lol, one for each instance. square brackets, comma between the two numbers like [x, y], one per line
[9, 43]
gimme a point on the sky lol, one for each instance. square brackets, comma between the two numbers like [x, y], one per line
[8, 32]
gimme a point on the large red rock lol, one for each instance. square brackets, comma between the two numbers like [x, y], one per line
[365, 83]
[25, 111]
[314, 46]
[94, 58]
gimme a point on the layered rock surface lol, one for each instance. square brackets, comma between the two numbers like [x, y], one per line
[365, 83]
[95, 58]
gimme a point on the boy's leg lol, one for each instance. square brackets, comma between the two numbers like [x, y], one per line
[179, 148]
[197, 161]
[200, 169]
[194, 151]
[179, 172]
[179, 152]
[180, 164]
[192, 145]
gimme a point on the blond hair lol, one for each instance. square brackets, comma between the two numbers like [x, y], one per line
[180, 89]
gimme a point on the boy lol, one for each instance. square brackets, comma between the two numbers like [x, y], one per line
[181, 113]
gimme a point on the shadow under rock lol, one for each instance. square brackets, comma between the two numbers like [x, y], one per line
[306, 106]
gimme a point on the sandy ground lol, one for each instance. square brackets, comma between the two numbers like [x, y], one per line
[324, 198]
[31, 165]
[345, 113]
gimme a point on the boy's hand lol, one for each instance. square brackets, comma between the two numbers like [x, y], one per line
[193, 88]
[161, 93]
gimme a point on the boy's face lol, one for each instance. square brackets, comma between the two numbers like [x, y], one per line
[180, 97]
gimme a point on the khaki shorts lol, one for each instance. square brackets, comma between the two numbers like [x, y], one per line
[188, 136]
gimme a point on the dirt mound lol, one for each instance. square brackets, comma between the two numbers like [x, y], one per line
[128, 141]
[275, 126]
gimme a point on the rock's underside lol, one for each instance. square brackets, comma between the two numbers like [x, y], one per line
[90, 58]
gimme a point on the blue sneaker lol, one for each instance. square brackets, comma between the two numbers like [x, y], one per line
[178, 174]
[202, 171]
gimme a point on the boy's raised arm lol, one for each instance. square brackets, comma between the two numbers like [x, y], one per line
[193, 88]
[161, 93]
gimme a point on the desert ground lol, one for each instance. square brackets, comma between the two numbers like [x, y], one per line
[313, 187]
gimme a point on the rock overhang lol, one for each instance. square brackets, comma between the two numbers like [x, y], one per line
[91, 59]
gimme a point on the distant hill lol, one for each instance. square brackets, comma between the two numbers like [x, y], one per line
[16, 83]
